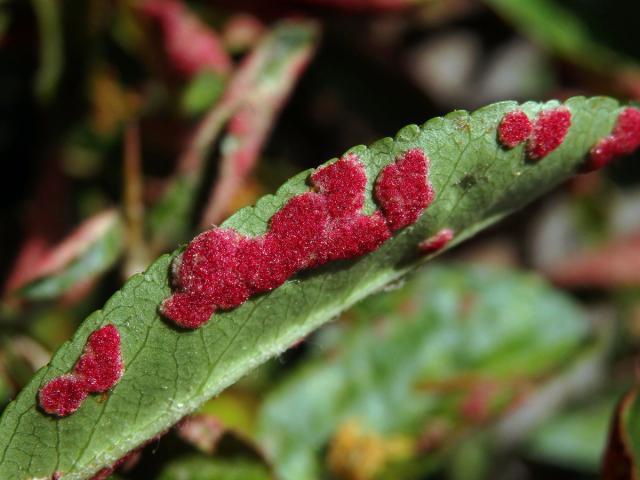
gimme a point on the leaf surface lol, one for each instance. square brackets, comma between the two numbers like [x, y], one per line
[170, 372]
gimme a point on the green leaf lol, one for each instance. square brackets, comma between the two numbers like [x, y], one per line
[455, 331]
[202, 468]
[48, 15]
[202, 92]
[169, 372]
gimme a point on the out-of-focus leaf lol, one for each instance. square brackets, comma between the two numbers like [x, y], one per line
[237, 409]
[5, 21]
[21, 357]
[90, 250]
[137, 252]
[241, 32]
[613, 265]
[560, 29]
[589, 239]
[47, 13]
[575, 438]
[202, 431]
[202, 92]
[170, 221]
[471, 461]
[170, 372]
[191, 45]
[250, 125]
[456, 349]
[203, 468]
[364, 5]
[113, 105]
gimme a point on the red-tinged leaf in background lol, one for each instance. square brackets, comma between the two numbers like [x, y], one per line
[249, 129]
[41, 226]
[76, 243]
[203, 431]
[612, 265]
[89, 250]
[190, 45]
[270, 60]
[363, 5]
[211, 433]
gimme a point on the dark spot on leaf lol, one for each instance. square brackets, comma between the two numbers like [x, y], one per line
[467, 182]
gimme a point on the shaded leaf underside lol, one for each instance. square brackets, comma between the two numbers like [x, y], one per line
[170, 372]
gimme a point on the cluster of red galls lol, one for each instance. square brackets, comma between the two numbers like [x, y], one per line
[550, 127]
[543, 135]
[623, 140]
[221, 269]
[98, 370]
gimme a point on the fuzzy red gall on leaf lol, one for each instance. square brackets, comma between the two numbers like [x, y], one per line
[549, 131]
[299, 227]
[514, 128]
[100, 365]
[264, 267]
[63, 395]
[403, 190]
[99, 368]
[624, 139]
[188, 310]
[209, 268]
[221, 269]
[436, 242]
[342, 184]
[354, 236]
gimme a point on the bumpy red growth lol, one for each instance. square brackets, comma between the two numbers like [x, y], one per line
[514, 128]
[436, 242]
[549, 130]
[63, 395]
[98, 370]
[402, 190]
[101, 362]
[624, 139]
[221, 269]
